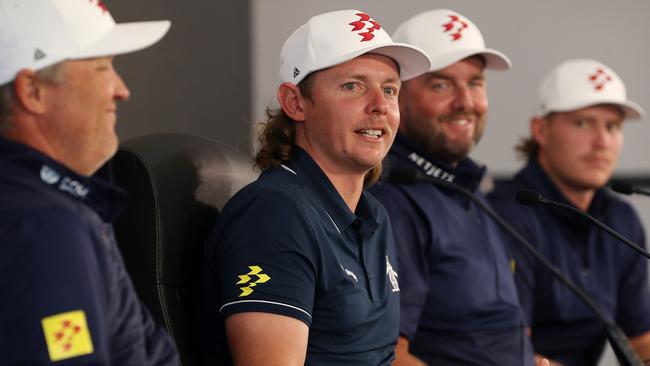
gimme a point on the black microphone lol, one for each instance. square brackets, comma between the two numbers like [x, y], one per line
[532, 198]
[624, 188]
[619, 342]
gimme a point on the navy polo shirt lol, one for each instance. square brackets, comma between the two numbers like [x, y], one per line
[563, 327]
[66, 297]
[288, 244]
[459, 303]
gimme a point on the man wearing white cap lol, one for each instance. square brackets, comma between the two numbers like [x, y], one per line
[301, 268]
[66, 297]
[575, 143]
[459, 302]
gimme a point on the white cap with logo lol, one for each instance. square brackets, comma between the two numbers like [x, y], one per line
[336, 37]
[38, 33]
[448, 37]
[581, 83]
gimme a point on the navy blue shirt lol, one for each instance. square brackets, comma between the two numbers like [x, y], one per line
[458, 303]
[66, 296]
[288, 244]
[563, 327]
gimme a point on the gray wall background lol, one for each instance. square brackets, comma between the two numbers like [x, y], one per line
[196, 80]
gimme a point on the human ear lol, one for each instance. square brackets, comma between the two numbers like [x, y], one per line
[538, 130]
[29, 91]
[291, 101]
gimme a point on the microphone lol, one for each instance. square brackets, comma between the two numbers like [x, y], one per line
[619, 342]
[624, 188]
[532, 198]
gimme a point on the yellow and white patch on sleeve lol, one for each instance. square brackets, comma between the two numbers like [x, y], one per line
[67, 335]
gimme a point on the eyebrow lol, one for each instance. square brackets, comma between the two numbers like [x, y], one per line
[363, 77]
[438, 75]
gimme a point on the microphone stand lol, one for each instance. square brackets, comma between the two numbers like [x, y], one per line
[538, 198]
[619, 342]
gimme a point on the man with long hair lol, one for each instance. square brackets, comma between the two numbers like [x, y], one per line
[301, 266]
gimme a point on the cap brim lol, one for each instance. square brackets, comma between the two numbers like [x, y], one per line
[494, 59]
[411, 60]
[125, 38]
[630, 109]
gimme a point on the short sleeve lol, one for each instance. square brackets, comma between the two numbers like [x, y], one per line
[267, 257]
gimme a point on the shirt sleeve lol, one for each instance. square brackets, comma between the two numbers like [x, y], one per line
[267, 257]
[413, 256]
[633, 313]
[71, 298]
[51, 285]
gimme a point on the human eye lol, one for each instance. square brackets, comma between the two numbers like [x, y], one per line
[440, 85]
[477, 83]
[391, 90]
[104, 64]
[580, 123]
[350, 86]
[614, 126]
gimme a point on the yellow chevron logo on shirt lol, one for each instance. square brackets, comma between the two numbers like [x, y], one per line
[513, 265]
[245, 279]
[67, 335]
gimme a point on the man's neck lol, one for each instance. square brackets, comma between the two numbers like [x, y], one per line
[348, 186]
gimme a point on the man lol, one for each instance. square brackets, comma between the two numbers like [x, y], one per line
[458, 298]
[574, 146]
[301, 266]
[66, 295]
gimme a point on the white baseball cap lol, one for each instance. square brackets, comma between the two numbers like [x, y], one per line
[38, 33]
[448, 37]
[581, 83]
[336, 37]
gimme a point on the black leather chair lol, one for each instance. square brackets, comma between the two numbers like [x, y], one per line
[177, 185]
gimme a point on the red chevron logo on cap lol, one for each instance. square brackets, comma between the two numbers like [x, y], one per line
[365, 23]
[599, 79]
[455, 27]
[101, 5]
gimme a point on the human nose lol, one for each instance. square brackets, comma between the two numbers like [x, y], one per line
[463, 99]
[378, 103]
[121, 90]
[602, 136]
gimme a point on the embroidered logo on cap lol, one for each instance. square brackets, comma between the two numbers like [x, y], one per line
[38, 54]
[246, 280]
[599, 79]
[100, 4]
[455, 27]
[67, 335]
[367, 24]
[296, 72]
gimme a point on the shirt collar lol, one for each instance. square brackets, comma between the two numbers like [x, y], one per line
[535, 177]
[466, 173]
[95, 191]
[312, 176]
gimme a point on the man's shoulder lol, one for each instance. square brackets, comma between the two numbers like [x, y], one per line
[24, 200]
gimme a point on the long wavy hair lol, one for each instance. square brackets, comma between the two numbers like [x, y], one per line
[278, 136]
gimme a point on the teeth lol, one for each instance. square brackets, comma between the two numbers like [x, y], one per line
[460, 122]
[371, 133]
